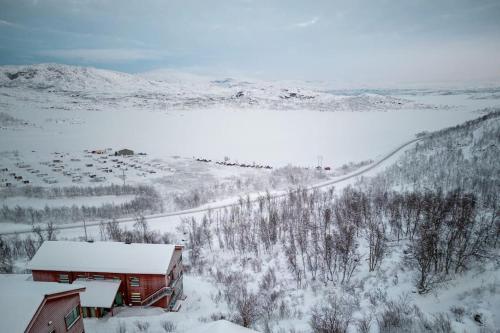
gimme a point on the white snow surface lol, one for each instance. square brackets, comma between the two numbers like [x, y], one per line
[98, 293]
[39, 203]
[220, 326]
[171, 89]
[114, 257]
[76, 108]
[21, 299]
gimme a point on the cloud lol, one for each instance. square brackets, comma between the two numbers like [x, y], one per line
[104, 55]
[306, 23]
[10, 24]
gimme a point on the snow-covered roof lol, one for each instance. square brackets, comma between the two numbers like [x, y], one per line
[98, 293]
[112, 257]
[21, 299]
[221, 326]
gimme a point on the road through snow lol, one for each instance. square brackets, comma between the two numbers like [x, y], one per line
[215, 206]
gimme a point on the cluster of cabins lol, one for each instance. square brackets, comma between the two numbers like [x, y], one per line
[18, 178]
[242, 165]
[73, 280]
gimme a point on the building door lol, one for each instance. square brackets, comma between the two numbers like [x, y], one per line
[119, 299]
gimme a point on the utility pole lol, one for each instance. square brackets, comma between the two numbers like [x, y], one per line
[85, 229]
[320, 160]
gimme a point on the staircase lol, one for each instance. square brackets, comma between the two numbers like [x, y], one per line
[156, 296]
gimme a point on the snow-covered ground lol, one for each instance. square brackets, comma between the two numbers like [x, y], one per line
[295, 137]
[65, 104]
[53, 115]
[56, 115]
[38, 203]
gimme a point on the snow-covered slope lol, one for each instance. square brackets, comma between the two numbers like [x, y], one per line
[68, 78]
[168, 89]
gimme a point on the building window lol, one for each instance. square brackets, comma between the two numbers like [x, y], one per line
[98, 277]
[134, 282]
[72, 317]
[63, 278]
[135, 297]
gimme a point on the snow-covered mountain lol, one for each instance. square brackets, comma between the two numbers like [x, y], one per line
[68, 78]
[168, 90]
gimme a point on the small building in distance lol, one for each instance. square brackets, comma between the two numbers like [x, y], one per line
[124, 152]
[33, 307]
[149, 274]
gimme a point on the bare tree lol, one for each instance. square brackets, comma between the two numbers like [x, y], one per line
[331, 315]
[375, 235]
[6, 260]
[247, 307]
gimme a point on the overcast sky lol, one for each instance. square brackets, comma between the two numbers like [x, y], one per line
[344, 41]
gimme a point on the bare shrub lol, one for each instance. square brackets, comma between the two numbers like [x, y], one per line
[397, 316]
[376, 296]
[30, 247]
[121, 327]
[441, 324]
[284, 310]
[363, 325]
[142, 326]
[377, 243]
[218, 316]
[247, 308]
[458, 312]
[6, 260]
[332, 315]
[168, 326]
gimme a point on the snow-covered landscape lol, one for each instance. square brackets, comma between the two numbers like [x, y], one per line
[276, 169]
[197, 154]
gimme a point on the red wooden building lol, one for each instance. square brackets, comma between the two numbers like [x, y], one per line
[33, 307]
[149, 274]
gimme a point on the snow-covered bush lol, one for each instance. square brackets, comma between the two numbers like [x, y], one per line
[121, 327]
[142, 326]
[331, 315]
[168, 326]
[458, 312]
[397, 316]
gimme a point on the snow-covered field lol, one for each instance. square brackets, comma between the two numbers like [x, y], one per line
[295, 137]
[53, 116]
[38, 203]
[71, 110]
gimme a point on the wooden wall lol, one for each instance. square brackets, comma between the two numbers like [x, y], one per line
[149, 283]
[54, 310]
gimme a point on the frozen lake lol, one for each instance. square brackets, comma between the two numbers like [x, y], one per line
[262, 136]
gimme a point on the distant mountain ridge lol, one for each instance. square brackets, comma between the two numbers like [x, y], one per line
[64, 77]
[169, 89]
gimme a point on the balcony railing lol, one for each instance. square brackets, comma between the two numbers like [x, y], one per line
[173, 283]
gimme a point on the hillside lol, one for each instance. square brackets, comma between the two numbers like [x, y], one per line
[167, 90]
[414, 249]
[463, 156]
